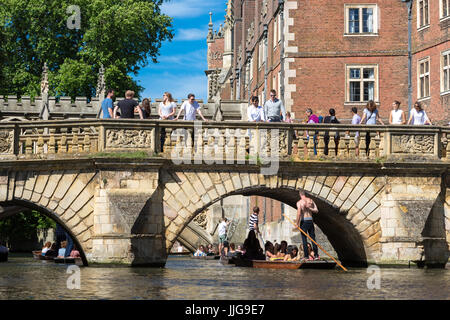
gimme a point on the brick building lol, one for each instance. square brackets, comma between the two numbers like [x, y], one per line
[342, 53]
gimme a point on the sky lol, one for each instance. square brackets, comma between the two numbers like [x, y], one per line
[182, 62]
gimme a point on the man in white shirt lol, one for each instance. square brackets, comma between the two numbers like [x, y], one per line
[222, 231]
[190, 108]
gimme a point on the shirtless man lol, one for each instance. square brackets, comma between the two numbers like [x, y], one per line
[305, 208]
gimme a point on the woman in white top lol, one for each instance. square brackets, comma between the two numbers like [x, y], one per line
[397, 115]
[255, 113]
[167, 107]
[418, 115]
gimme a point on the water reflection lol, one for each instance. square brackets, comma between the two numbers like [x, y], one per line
[184, 278]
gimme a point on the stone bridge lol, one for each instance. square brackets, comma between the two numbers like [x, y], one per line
[126, 198]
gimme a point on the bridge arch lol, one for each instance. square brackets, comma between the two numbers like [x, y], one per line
[66, 196]
[349, 206]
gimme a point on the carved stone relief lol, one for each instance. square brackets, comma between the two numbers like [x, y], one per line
[6, 141]
[128, 138]
[413, 144]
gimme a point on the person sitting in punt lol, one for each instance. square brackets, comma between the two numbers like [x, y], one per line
[283, 249]
[269, 249]
[240, 249]
[62, 250]
[200, 252]
[75, 253]
[253, 250]
[225, 248]
[311, 253]
[53, 251]
[232, 251]
[277, 255]
[210, 250]
[292, 255]
[46, 247]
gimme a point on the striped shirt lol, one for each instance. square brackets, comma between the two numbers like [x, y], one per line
[251, 222]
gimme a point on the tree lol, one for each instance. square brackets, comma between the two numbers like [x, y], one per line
[123, 35]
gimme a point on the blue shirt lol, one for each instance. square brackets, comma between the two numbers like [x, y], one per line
[107, 104]
[371, 117]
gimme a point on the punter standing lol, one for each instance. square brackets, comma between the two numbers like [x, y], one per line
[305, 209]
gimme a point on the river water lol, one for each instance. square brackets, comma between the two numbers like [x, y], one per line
[22, 277]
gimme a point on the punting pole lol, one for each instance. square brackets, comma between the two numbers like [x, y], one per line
[340, 265]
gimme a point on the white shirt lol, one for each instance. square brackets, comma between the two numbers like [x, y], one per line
[418, 118]
[255, 113]
[167, 109]
[356, 120]
[397, 116]
[190, 110]
[222, 228]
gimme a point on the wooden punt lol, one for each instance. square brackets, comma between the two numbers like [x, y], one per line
[68, 260]
[206, 257]
[227, 260]
[37, 255]
[262, 264]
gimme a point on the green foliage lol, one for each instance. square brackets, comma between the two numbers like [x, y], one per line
[24, 225]
[122, 155]
[123, 35]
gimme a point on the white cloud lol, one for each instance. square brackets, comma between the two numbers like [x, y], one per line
[179, 86]
[191, 34]
[190, 8]
[193, 58]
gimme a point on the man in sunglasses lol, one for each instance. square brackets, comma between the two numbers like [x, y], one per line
[274, 108]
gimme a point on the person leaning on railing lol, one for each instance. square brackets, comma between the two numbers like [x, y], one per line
[418, 115]
[370, 117]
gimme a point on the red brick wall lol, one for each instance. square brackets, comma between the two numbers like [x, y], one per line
[321, 84]
[431, 42]
[215, 54]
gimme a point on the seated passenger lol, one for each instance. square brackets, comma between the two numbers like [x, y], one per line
[269, 249]
[46, 247]
[232, 250]
[62, 250]
[283, 249]
[200, 252]
[75, 253]
[226, 248]
[293, 255]
[53, 251]
[240, 249]
[277, 256]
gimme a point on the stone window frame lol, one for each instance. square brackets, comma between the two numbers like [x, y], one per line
[444, 4]
[374, 66]
[425, 75]
[445, 70]
[375, 25]
[275, 32]
[426, 23]
[261, 54]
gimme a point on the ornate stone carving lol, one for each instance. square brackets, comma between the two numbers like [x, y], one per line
[101, 85]
[229, 17]
[413, 144]
[214, 84]
[201, 220]
[264, 8]
[6, 141]
[128, 138]
[44, 81]
[250, 33]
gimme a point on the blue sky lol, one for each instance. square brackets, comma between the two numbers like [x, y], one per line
[182, 63]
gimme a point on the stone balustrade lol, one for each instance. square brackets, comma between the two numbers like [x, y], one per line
[224, 142]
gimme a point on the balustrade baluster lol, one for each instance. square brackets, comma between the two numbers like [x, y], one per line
[362, 146]
[241, 151]
[198, 157]
[87, 143]
[40, 145]
[310, 146]
[372, 148]
[342, 148]
[352, 148]
[220, 146]
[332, 145]
[62, 146]
[301, 148]
[230, 148]
[28, 146]
[321, 145]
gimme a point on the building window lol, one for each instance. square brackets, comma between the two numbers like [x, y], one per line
[279, 85]
[424, 78]
[423, 14]
[361, 19]
[362, 83]
[445, 74]
[275, 32]
[445, 9]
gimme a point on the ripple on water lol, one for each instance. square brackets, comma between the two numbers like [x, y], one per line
[184, 278]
